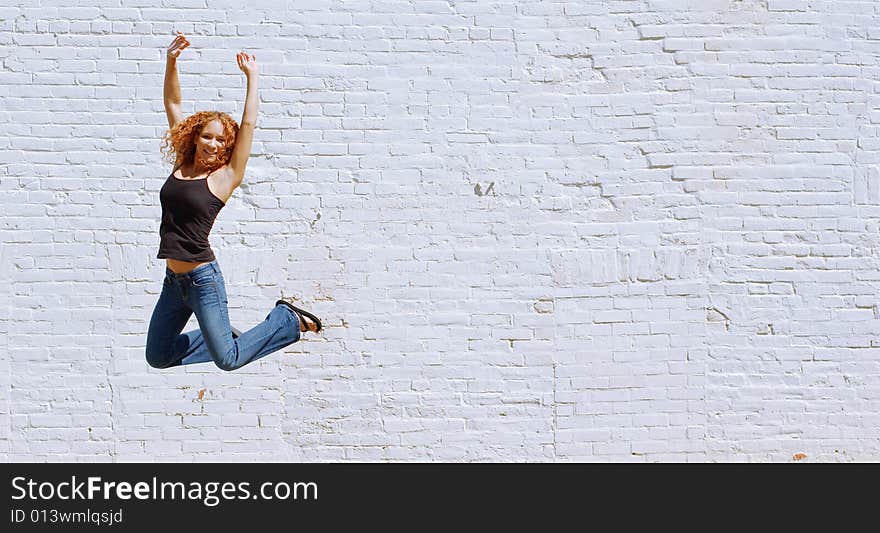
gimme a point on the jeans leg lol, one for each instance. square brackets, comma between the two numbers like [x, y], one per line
[208, 300]
[165, 347]
[278, 330]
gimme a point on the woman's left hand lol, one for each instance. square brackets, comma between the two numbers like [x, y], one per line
[247, 63]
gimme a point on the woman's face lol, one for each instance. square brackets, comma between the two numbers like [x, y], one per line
[210, 142]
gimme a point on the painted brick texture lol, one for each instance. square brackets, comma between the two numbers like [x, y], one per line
[535, 231]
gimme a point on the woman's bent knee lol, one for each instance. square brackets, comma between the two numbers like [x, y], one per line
[225, 365]
[228, 361]
[158, 360]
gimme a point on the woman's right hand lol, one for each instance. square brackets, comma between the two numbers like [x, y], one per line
[176, 47]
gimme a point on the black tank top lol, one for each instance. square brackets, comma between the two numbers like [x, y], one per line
[189, 209]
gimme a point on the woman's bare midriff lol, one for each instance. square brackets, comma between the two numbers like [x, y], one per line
[180, 267]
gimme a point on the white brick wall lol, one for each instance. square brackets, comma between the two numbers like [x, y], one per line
[536, 231]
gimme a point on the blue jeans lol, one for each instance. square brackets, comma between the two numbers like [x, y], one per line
[202, 291]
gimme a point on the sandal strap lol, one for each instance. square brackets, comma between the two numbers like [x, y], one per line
[308, 315]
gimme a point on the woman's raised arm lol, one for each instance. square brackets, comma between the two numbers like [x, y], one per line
[172, 84]
[244, 139]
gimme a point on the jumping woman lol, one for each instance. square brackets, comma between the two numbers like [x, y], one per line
[209, 151]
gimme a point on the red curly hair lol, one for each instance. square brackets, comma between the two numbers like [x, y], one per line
[179, 144]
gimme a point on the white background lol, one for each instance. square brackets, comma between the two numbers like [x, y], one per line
[535, 231]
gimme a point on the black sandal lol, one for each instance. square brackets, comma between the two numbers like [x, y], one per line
[299, 311]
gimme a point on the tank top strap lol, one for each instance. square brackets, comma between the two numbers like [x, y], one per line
[206, 177]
